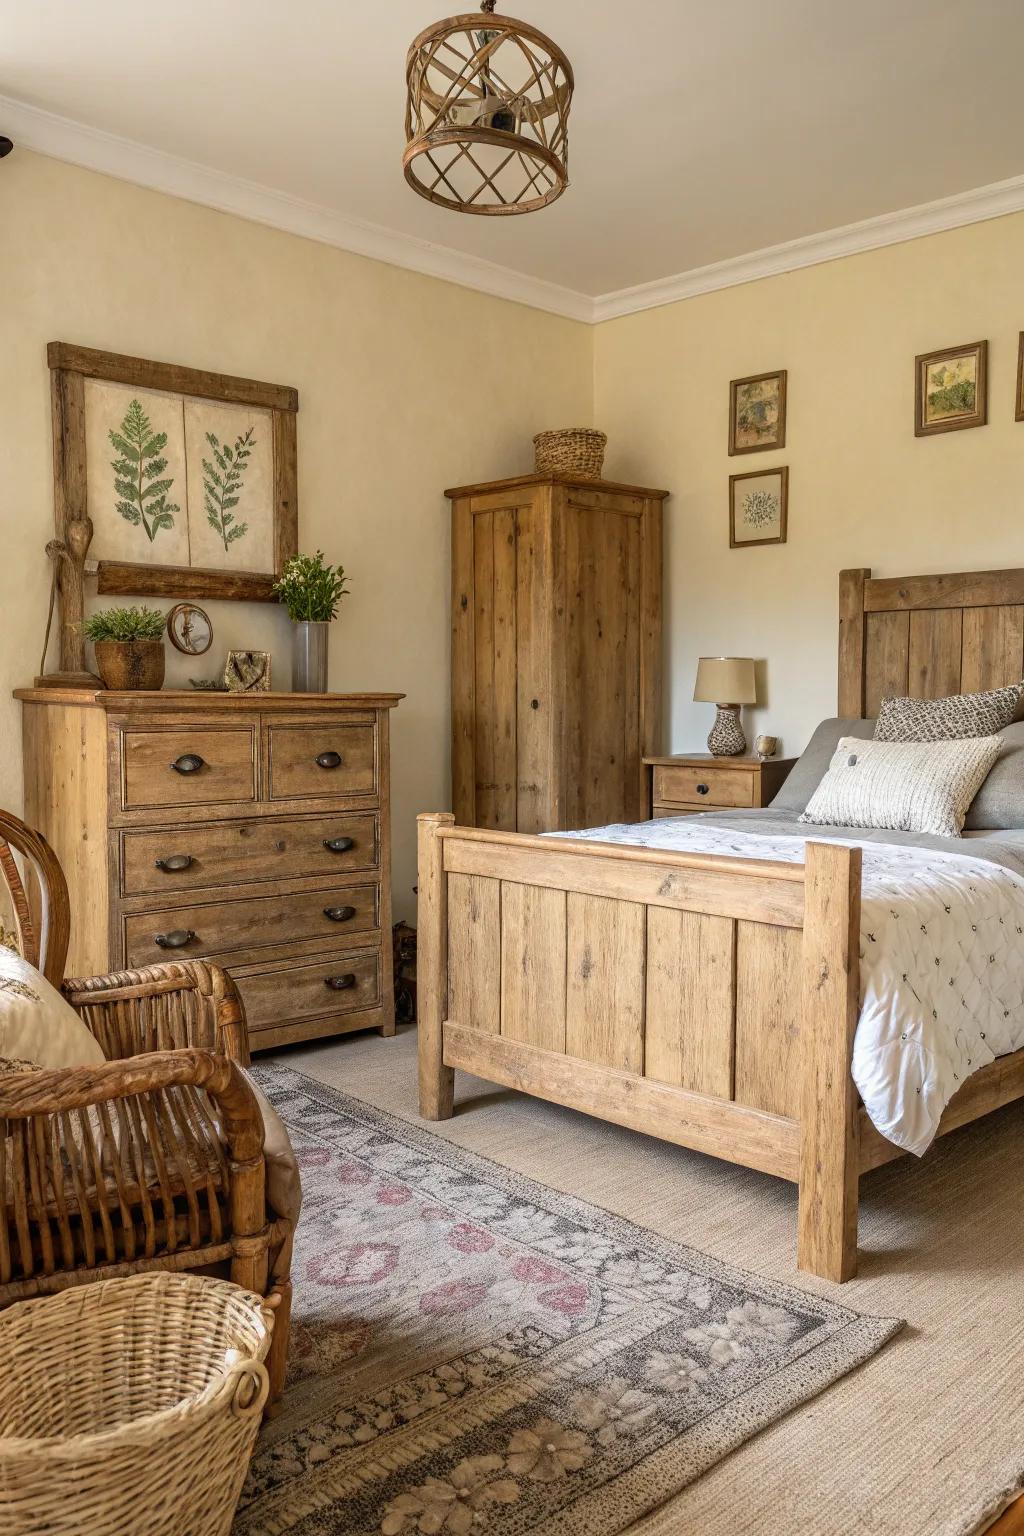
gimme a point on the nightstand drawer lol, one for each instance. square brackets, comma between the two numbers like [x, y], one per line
[704, 786]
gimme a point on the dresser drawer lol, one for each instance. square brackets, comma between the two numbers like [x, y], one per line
[710, 786]
[222, 927]
[243, 852]
[189, 765]
[333, 985]
[307, 761]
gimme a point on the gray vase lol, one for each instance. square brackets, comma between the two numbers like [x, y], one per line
[309, 656]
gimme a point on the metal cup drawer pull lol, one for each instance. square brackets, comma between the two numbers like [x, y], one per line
[175, 862]
[339, 844]
[703, 789]
[341, 983]
[329, 760]
[189, 762]
[339, 914]
[176, 939]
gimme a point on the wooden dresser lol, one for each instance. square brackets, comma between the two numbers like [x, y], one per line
[249, 829]
[556, 651]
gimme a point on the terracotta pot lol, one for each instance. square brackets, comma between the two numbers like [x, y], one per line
[130, 663]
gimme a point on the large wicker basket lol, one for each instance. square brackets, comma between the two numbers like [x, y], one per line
[130, 1407]
[575, 451]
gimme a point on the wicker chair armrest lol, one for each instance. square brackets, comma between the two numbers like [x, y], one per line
[50, 1091]
[182, 1004]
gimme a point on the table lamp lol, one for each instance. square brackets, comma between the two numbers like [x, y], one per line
[721, 679]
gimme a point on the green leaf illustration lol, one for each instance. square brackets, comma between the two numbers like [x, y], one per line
[142, 496]
[223, 483]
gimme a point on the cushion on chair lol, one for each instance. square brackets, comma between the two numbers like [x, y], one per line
[284, 1188]
[36, 1024]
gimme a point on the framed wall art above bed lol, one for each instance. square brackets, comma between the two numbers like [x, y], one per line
[185, 480]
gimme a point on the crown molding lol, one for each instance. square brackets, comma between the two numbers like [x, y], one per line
[62, 139]
[972, 207]
[59, 137]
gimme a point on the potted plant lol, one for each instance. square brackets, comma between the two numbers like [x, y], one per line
[311, 591]
[129, 646]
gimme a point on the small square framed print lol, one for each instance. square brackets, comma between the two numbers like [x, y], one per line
[758, 507]
[1019, 413]
[951, 389]
[757, 412]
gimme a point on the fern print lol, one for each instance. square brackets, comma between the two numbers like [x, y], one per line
[222, 483]
[143, 494]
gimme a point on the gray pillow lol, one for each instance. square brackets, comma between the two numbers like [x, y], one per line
[810, 768]
[999, 803]
[949, 719]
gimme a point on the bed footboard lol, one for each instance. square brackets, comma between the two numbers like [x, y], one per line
[705, 1000]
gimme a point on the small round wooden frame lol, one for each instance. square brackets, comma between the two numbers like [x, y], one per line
[181, 623]
[487, 116]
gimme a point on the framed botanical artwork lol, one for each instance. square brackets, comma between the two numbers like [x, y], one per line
[757, 412]
[951, 389]
[1019, 413]
[184, 480]
[758, 507]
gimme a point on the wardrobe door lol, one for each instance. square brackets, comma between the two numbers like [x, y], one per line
[539, 631]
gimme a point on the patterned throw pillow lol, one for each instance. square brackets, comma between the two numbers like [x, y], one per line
[902, 786]
[962, 714]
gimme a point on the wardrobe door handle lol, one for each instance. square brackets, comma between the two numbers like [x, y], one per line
[176, 939]
[340, 983]
[189, 762]
[703, 789]
[175, 862]
[329, 760]
[339, 914]
[339, 844]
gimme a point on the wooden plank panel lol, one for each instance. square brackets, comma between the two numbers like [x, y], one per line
[768, 1018]
[651, 668]
[474, 951]
[748, 1137]
[633, 778]
[605, 977]
[575, 576]
[485, 722]
[535, 682]
[936, 641]
[886, 659]
[533, 965]
[505, 669]
[689, 1027]
[993, 648]
[963, 589]
[463, 666]
[851, 643]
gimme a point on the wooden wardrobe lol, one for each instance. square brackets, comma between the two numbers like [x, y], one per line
[556, 651]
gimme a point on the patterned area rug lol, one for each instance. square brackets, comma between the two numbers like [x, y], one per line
[475, 1352]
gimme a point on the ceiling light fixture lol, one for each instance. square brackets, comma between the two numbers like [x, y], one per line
[487, 115]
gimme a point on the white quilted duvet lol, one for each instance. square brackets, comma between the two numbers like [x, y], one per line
[942, 964]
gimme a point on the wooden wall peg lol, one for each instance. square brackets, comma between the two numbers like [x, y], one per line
[68, 556]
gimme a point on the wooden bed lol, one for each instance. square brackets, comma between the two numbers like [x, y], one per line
[706, 1000]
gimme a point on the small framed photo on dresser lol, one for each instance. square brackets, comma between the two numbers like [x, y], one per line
[757, 413]
[758, 507]
[951, 389]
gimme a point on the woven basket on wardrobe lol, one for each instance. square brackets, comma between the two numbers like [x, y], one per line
[130, 1407]
[570, 451]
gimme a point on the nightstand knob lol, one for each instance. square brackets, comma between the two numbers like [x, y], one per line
[703, 789]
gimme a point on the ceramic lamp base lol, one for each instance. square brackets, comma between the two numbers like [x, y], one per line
[727, 738]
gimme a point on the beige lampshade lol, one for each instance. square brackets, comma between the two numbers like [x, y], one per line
[725, 680]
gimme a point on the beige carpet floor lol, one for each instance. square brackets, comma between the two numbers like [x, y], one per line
[924, 1439]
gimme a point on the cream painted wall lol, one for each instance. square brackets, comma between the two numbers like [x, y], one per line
[406, 385]
[863, 489]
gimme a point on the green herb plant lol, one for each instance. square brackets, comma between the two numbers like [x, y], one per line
[143, 494]
[125, 624]
[310, 589]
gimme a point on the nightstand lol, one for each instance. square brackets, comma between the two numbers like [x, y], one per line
[696, 781]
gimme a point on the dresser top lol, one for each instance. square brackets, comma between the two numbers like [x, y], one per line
[203, 699]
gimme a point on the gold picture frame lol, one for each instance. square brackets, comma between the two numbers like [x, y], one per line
[951, 389]
[757, 412]
[764, 516]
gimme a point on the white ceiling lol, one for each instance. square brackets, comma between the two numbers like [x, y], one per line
[699, 132]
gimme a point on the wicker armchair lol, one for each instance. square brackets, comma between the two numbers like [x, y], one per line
[163, 1158]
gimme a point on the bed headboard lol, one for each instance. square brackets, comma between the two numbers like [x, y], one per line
[927, 636]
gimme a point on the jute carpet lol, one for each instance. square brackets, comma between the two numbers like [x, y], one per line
[928, 1438]
[474, 1351]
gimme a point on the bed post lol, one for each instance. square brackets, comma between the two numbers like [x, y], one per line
[829, 1142]
[437, 1082]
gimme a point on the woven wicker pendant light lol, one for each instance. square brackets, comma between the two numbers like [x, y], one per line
[487, 115]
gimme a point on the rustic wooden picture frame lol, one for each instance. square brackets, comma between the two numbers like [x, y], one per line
[759, 474]
[70, 366]
[779, 440]
[1019, 412]
[978, 417]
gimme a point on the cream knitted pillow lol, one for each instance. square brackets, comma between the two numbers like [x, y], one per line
[905, 786]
